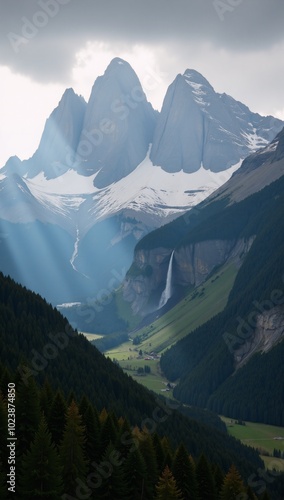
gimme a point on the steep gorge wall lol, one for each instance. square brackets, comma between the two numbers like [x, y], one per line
[146, 275]
[269, 330]
[192, 264]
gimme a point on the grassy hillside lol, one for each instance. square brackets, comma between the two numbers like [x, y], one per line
[264, 438]
[196, 308]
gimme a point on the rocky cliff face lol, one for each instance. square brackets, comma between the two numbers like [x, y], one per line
[146, 276]
[197, 126]
[192, 264]
[268, 332]
[59, 140]
[118, 125]
[196, 261]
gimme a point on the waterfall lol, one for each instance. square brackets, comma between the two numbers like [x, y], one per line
[75, 253]
[168, 288]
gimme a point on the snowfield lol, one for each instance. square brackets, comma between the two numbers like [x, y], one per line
[148, 188]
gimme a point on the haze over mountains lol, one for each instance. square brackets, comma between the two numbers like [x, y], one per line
[166, 242]
[111, 170]
[195, 258]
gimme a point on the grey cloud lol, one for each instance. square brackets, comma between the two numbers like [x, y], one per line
[48, 54]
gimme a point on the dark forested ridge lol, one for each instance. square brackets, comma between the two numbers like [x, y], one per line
[37, 342]
[68, 449]
[204, 360]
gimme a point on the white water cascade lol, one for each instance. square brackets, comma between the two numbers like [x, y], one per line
[75, 253]
[168, 288]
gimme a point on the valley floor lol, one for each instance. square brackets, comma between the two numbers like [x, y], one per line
[264, 438]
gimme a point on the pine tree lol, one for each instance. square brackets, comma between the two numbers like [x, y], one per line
[148, 453]
[46, 398]
[168, 453]
[41, 472]
[103, 415]
[112, 474]
[233, 485]
[125, 441]
[167, 489]
[218, 476]
[91, 423]
[184, 473]
[205, 481]
[159, 452]
[136, 477]
[83, 405]
[168, 461]
[70, 398]
[72, 451]
[109, 433]
[27, 414]
[57, 417]
[167, 449]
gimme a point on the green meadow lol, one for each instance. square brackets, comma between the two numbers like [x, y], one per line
[196, 308]
[265, 438]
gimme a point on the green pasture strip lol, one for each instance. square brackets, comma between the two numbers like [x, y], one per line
[196, 308]
[260, 436]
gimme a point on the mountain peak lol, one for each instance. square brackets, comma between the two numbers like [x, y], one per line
[119, 124]
[68, 92]
[12, 166]
[200, 127]
[193, 78]
[69, 97]
[193, 74]
[60, 137]
[118, 68]
[117, 61]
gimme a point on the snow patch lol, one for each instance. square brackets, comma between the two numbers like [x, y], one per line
[148, 189]
[69, 183]
[254, 141]
[151, 189]
[270, 148]
[197, 92]
[68, 304]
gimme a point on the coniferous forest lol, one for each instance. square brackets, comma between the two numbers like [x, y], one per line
[86, 430]
[73, 425]
[68, 449]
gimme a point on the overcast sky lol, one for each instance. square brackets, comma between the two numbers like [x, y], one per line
[49, 45]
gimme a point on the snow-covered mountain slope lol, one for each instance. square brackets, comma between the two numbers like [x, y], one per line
[72, 201]
[109, 171]
[68, 231]
[257, 171]
[198, 126]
